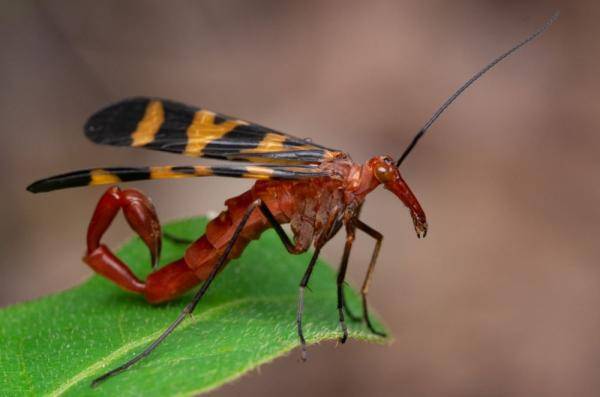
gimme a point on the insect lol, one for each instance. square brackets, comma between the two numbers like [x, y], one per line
[316, 189]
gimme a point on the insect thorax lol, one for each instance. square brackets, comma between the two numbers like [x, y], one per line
[319, 205]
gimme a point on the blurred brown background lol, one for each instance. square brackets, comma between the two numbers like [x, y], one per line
[502, 296]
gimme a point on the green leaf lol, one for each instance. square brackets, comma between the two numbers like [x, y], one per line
[58, 344]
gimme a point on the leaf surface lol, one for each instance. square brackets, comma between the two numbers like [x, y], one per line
[56, 345]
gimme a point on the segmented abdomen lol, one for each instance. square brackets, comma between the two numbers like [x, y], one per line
[205, 252]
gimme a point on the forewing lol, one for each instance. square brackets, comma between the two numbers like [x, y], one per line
[169, 126]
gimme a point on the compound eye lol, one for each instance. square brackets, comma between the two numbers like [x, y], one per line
[384, 173]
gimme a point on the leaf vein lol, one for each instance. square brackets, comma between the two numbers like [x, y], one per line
[126, 348]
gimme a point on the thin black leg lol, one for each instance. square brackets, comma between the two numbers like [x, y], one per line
[189, 308]
[270, 217]
[341, 292]
[352, 316]
[350, 235]
[365, 287]
[280, 232]
[303, 285]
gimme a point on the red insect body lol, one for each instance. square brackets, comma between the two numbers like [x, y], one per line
[312, 207]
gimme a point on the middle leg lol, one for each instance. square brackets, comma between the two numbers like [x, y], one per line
[299, 313]
[350, 235]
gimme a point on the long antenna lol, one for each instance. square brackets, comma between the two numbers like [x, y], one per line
[471, 81]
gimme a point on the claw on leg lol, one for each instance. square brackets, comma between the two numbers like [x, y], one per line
[139, 213]
[104, 262]
[141, 216]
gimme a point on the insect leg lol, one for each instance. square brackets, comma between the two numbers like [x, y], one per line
[346, 255]
[189, 308]
[280, 232]
[350, 235]
[365, 287]
[342, 269]
[270, 217]
[303, 285]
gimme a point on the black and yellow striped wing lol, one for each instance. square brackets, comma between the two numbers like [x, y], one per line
[114, 175]
[169, 126]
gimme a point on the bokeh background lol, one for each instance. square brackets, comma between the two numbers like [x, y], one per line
[502, 296]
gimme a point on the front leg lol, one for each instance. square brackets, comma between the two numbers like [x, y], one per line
[365, 287]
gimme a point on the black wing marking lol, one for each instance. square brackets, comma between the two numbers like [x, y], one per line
[169, 126]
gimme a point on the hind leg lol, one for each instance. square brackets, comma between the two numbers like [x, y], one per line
[161, 285]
